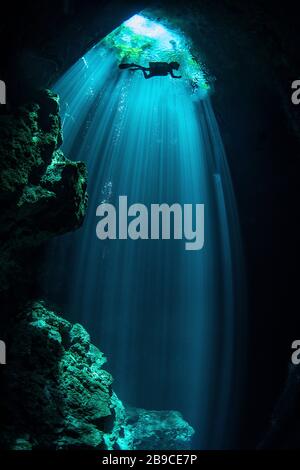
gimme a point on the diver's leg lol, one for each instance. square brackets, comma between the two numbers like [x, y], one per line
[147, 75]
[139, 67]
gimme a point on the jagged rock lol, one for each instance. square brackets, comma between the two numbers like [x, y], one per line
[160, 430]
[42, 192]
[59, 394]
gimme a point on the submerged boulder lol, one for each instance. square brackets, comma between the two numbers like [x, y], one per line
[156, 430]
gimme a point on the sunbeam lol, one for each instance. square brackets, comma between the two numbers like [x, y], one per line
[165, 317]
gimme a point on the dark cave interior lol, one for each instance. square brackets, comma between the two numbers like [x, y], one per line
[250, 49]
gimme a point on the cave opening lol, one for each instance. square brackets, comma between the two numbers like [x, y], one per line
[165, 318]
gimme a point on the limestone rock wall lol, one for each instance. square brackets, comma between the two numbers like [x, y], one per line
[43, 194]
[61, 396]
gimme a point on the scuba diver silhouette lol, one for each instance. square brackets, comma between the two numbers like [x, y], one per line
[155, 69]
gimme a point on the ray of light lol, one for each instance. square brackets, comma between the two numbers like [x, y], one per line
[166, 318]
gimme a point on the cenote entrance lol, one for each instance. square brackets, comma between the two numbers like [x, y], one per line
[168, 320]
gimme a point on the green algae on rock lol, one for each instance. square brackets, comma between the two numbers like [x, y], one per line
[142, 39]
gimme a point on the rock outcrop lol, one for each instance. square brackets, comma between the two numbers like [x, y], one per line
[61, 397]
[42, 192]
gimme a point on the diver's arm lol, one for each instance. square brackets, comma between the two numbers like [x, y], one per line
[174, 76]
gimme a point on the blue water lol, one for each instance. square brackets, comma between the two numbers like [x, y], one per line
[168, 320]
